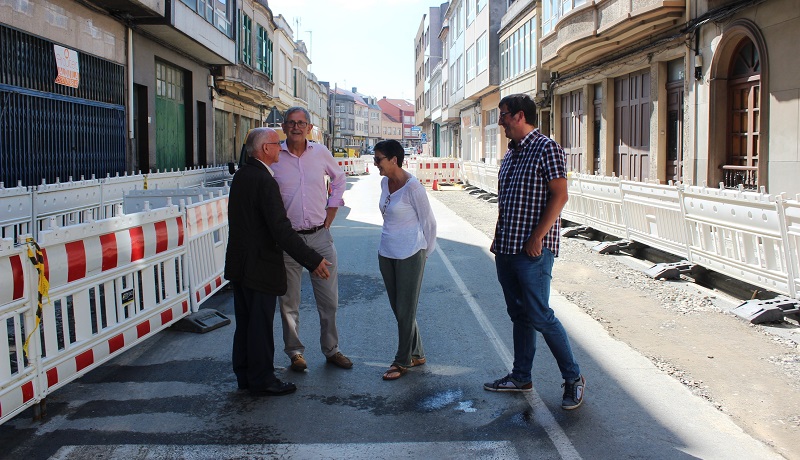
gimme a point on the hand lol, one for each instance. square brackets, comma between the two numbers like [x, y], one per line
[533, 247]
[330, 214]
[322, 270]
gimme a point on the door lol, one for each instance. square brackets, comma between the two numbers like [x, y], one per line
[632, 126]
[675, 131]
[571, 119]
[170, 118]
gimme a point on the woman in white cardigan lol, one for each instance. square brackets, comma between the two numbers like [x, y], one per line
[408, 237]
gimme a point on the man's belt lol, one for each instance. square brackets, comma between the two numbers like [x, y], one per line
[309, 231]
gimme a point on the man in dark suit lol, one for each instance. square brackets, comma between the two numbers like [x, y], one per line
[259, 233]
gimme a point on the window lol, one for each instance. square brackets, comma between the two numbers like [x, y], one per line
[470, 63]
[264, 60]
[220, 13]
[481, 5]
[469, 11]
[490, 136]
[482, 52]
[744, 99]
[518, 51]
[552, 10]
[246, 40]
[460, 70]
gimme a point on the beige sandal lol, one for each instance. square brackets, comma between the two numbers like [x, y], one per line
[417, 362]
[394, 372]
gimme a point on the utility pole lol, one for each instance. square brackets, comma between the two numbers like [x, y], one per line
[333, 116]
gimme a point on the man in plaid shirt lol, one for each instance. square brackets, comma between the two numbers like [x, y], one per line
[532, 191]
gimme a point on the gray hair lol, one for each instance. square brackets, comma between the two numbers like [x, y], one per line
[294, 109]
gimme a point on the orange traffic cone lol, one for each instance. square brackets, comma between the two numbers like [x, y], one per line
[435, 183]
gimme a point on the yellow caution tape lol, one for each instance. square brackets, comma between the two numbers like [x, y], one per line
[37, 259]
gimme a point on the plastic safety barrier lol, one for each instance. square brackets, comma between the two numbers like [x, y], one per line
[26, 210]
[206, 213]
[481, 175]
[573, 210]
[791, 214]
[16, 209]
[113, 283]
[653, 216]
[737, 233]
[443, 170]
[602, 203]
[18, 376]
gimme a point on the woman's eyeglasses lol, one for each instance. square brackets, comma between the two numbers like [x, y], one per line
[377, 160]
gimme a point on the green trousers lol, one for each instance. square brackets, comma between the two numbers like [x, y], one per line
[403, 280]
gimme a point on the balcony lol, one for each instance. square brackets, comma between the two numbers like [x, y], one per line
[244, 82]
[602, 28]
[207, 37]
[137, 9]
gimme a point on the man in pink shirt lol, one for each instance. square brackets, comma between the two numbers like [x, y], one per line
[301, 175]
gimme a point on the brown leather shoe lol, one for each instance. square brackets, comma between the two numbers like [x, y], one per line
[298, 363]
[340, 360]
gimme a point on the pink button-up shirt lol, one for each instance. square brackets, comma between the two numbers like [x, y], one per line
[302, 183]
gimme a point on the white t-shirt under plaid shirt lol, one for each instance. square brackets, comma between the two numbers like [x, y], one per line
[522, 182]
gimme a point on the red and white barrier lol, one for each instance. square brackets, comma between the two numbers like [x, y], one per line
[113, 283]
[207, 229]
[18, 376]
[442, 170]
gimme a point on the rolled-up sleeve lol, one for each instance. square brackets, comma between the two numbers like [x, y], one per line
[426, 218]
[338, 182]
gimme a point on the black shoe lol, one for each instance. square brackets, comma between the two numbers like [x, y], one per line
[277, 388]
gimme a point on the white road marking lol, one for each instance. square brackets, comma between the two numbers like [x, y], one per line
[488, 450]
[541, 413]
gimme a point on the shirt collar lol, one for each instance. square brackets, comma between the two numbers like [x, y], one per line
[523, 144]
[266, 166]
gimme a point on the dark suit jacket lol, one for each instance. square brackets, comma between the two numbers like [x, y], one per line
[259, 232]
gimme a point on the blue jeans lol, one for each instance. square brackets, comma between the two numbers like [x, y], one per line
[526, 287]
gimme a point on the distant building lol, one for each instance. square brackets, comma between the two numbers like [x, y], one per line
[403, 111]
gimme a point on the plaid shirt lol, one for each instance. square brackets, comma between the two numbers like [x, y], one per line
[523, 194]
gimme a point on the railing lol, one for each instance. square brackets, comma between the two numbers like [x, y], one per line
[480, 175]
[747, 235]
[745, 176]
[26, 210]
[113, 282]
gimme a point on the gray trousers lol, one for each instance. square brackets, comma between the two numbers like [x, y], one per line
[326, 293]
[403, 280]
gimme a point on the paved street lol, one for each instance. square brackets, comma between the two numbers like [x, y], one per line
[175, 395]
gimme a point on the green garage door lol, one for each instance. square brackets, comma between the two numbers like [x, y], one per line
[170, 118]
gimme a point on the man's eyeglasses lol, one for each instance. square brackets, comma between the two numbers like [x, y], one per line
[377, 160]
[299, 124]
[502, 114]
[276, 143]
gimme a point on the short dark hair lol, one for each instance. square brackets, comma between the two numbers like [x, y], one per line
[521, 103]
[390, 148]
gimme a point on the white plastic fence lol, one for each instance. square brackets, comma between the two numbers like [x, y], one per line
[26, 210]
[352, 166]
[443, 170]
[480, 175]
[206, 215]
[738, 233]
[602, 204]
[18, 376]
[652, 215]
[750, 236]
[112, 284]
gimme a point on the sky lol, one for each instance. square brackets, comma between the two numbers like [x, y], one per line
[367, 44]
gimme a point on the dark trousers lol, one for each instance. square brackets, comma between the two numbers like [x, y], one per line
[253, 345]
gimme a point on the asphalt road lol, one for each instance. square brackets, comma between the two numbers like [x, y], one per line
[175, 395]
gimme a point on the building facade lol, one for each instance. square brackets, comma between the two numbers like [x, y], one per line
[107, 87]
